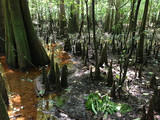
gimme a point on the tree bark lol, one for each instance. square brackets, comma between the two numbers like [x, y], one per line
[62, 17]
[97, 71]
[2, 33]
[23, 48]
[3, 110]
[139, 57]
[73, 26]
[135, 24]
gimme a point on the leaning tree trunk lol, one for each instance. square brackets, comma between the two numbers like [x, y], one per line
[139, 57]
[2, 45]
[22, 45]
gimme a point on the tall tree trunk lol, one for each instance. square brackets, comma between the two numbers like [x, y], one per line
[117, 17]
[112, 19]
[107, 21]
[139, 57]
[131, 23]
[21, 36]
[135, 24]
[2, 33]
[73, 26]
[77, 11]
[97, 71]
[62, 17]
[88, 25]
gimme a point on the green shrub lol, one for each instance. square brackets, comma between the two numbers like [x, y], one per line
[103, 104]
[97, 103]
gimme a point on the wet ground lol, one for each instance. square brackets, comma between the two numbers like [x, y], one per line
[25, 105]
[21, 90]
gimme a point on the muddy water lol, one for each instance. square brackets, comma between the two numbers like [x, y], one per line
[24, 104]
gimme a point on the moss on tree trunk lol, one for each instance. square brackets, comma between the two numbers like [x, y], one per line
[22, 44]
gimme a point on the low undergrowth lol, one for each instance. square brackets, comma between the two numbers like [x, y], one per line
[98, 103]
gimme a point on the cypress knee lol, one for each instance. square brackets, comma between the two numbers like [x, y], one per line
[153, 82]
[51, 75]
[45, 80]
[58, 82]
[157, 100]
[64, 83]
[67, 45]
[110, 76]
[143, 117]
[150, 114]
[113, 93]
[103, 58]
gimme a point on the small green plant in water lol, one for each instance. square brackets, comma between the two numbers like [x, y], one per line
[97, 103]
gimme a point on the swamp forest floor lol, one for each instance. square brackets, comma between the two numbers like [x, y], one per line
[26, 105]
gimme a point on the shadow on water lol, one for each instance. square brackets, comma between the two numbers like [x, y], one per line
[24, 103]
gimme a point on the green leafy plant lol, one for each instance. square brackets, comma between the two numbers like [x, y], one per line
[124, 108]
[59, 101]
[97, 103]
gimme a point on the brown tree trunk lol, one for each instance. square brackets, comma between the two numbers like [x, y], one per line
[139, 57]
[73, 26]
[97, 71]
[135, 24]
[62, 17]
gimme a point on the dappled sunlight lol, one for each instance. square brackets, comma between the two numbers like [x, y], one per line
[10, 71]
[16, 98]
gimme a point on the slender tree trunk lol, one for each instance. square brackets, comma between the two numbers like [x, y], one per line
[117, 16]
[77, 11]
[135, 24]
[112, 19]
[107, 21]
[139, 57]
[82, 20]
[62, 17]
[97, 71]
[88, 26]
[131, 23]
